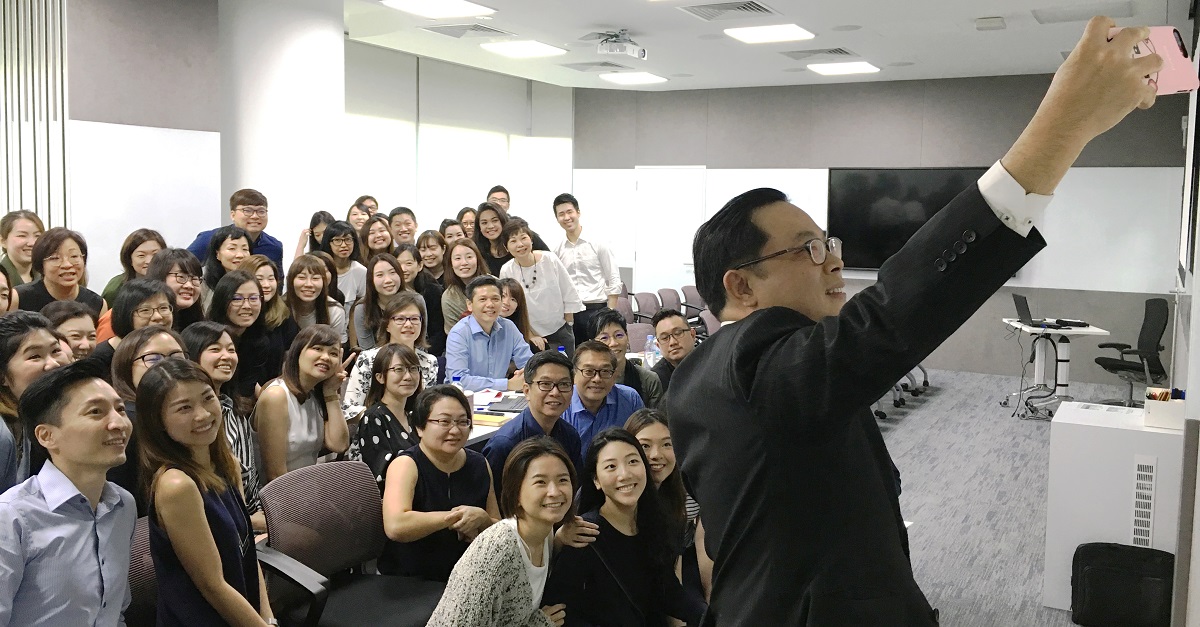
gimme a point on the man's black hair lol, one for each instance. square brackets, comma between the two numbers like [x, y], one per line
[44, 400]
[728, 238]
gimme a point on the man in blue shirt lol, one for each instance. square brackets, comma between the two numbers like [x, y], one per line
[598, 402]
[65, 532]
[480, 346]
[247, 209]
[548, 388]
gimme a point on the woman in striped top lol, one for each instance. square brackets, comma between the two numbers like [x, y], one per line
[210, 345]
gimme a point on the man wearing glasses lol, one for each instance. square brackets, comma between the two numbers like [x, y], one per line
[675, 339]
[248, 210]
[598, 402]
[548, 388]
[771, 415]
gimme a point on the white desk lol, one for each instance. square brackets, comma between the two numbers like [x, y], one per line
[1051, 376]
[1095, 451]
[482, 433]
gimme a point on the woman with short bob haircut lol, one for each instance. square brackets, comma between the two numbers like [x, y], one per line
[139, 303]
[500, 578]
[228, 248]
[182, 272]
[60, 257]
[299, 414]
[136, 253]
[199, 529]
[489, 223]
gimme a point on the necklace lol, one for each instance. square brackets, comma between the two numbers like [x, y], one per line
[528, 283]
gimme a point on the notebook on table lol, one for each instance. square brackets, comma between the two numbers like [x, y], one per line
[510, 404]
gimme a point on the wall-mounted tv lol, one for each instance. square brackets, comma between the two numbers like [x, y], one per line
[875, 211]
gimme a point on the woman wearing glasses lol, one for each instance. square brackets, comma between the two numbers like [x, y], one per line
[60, 257]
[181, 271]
[308, 296]
[341, 242]
[139, 351]
[139, 303]
[237, 304]
[137, 251]
[419, 281]
[437, 495]
[279, 326]
[385, 429]
[404, 323]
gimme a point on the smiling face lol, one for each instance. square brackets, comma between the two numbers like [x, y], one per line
[65, 266]
[408, 266]
[485, 305]
[552, 403]
[153, 310]
[508, 303]
[399, 380]
[319, 362]
[357, 217]
[140, 259]
[252, 218]
[39, 352]
[379, 238]
[157, 348]
[232, 252]
[620, 474]
[5, 294]
[464, 262]
[185, 286]
[266, 279]
[468, 224]
[489, 224]
[431, 254]
[81, 335]
[387, 280]
[92, 430]
[220, 359]
[20, 241]
[499, 199]
[545, 491]
[308, 285]
[567, 216]
[520, 245]
[592, 390]
[660, 451]
[192, 414]
[448, 439]
[793, 280]
[404, 327]
[404, 228]
[245, 305]
[453, 233]
[615, 338]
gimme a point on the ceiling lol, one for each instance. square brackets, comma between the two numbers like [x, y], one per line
[907, 39]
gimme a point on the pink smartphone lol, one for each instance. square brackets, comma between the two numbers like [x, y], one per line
[1177, 75]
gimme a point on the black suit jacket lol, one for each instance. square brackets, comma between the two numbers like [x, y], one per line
[771, 420]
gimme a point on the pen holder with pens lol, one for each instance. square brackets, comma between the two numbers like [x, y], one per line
[1164, 409]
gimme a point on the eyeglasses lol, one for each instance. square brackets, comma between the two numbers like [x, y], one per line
[344, 240]
[73, 259]
[184, 279]
[146, 312]
[618, 336]
[818, 250]
[238, 301]
[588, 373]
[248, 211]
[153, 358]
[400, 370]
[676, 335]
[461, 423]
[403, 320]
[546, 386]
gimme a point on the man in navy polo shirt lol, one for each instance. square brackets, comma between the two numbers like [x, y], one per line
[247, 209]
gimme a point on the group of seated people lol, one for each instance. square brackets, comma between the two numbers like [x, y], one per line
[200, 374]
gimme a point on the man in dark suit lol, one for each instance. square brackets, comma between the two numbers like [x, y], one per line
[770, 416]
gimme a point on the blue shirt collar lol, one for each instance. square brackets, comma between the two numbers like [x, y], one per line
[475, 327]
[577, 405]
[58, 489]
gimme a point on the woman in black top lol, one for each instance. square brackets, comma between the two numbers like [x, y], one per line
[237, 304]
[490, 222]
[626, 577]
[384, 430]
[139, 303]
[437, 495]
[181, 271]
[60, 256]
[279, 327]
[419, 281]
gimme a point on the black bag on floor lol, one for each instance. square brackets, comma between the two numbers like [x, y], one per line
[1115, 585]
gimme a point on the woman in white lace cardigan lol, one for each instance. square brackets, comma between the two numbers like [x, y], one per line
[500, 579]
[404, 322]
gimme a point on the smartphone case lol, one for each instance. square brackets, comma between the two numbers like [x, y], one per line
[1177, 75]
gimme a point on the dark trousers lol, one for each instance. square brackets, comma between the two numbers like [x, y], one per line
[583, 321]
[563, 337]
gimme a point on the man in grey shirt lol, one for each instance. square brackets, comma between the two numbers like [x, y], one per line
[65, 532]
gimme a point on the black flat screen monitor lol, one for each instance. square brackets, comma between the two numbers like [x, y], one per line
[875, 211]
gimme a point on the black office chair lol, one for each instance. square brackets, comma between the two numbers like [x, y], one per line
[1148, 368]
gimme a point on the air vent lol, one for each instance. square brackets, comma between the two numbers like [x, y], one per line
[1143, 501]
[800, 55]
[597, 66]
[463, 31]
[728, 11]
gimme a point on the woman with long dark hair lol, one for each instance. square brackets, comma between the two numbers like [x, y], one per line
[341, 242]
[419, 281]
[385, 280]
[310, 238]
[376, 236]
[28, 349]
[512, 306]
[432, 247]
[137, 251]
[403, 322]
[279, 327]
[199, 529]
[308, 296]
[466, 219]
[626, 577]
[237, 303]
[462, 266]
[490, 222]
[386, 427]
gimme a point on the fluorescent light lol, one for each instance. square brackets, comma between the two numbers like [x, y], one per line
[438, 9]
[837, 69]
[632, 78]
[525, 49]
[769, 34]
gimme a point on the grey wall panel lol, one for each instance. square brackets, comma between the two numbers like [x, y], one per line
[380, 82]
[553, 110]
[973, 121]
[459, 96]
[868, 125]
[1153, 137]
[606, 125]
[143, 62]
[760, 128]
[672, 128]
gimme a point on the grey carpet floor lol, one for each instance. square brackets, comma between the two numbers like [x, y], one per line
[974, 482]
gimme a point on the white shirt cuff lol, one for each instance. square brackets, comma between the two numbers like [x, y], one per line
[1018, 210]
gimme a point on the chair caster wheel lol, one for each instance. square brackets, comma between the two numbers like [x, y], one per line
[925, 383]
[915, 392]
[904, 386]
[898, 403]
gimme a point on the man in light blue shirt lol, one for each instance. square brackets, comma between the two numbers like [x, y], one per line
[598, 401]
[481, 345]
[65, 532]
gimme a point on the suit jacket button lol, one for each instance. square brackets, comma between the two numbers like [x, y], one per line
[960, 247]
[969, 236]
[949, 255]
[940, 264]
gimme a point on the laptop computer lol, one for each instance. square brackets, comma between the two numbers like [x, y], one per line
[1023, 315]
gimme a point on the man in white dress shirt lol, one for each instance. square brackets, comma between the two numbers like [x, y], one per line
[590, 264]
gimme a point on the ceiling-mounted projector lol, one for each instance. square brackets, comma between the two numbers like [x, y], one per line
[628, 48]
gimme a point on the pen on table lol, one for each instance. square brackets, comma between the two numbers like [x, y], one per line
[489, 413]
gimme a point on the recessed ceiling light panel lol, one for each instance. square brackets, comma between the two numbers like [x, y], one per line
[439, 9]
[525, 49]
[632, 78]
[769, 34]
[839, 69]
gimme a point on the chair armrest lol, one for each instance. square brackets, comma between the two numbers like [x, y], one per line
[1117, 345]
[1134, 351]
[686, 307]
[292, 570]
[637, 317]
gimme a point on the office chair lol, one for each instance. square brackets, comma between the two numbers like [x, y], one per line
[1148, 367]
[638, 332]
[626, 308]
[324, 522]
[647, 305]
[143, 585]
[711, 322]
[691, 298]
[670, 299]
